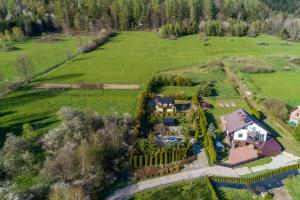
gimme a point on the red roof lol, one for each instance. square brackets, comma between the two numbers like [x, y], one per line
[269, 148]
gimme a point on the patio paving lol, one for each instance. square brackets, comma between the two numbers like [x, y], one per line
[242, 154]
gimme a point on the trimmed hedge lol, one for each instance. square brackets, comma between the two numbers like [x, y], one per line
[213, 194]
[254, 179]
[161, 157]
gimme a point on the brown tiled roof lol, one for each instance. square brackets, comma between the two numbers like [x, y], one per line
[237, 120]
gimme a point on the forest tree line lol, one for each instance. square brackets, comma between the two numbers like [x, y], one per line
[34, 16]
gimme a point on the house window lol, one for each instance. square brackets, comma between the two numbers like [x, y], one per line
[240, 135]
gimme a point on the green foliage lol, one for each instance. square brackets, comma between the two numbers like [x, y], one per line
[296, 133]
[161, 158]
[141, 161]
[135, 161]
[178, 30]
[206, 89]
[29, 133]
[213, 193]
[213, 28]
[100, 39]
[277, 107]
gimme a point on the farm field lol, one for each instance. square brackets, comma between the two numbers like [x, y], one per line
[42, 55]
[186, 190]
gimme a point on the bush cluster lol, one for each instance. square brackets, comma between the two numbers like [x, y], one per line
[99, 40]
[257, 69]
[90, 86]
[168, 114]
[206, 88]
[171, 81]
[177, 96]
[152, 171]
[216, 28]
[277, 107]
[173, 31]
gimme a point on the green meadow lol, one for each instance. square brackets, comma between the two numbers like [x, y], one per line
[42, 55]
[133, 57]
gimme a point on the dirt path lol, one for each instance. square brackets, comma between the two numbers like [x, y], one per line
[89, 86]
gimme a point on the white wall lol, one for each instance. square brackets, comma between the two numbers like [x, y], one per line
[244, 131]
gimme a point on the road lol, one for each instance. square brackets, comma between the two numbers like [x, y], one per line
[278, 161]
[130, 190]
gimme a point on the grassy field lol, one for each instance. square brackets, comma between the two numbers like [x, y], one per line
[280, 84]
[144, 53]
[187, 190]
[39, 107]
[130, 57]
[292, 185]
[42, 55]
[223, 88]
[285, 89]
[242, 194]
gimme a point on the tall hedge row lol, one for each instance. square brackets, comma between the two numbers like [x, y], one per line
[213, 193]
[260, 177]
[201, 126]
[161, 157]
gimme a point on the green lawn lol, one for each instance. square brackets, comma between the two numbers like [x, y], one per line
[39, 107]
[192, 190]
[241, 194]
[259, 162]
[292, 185]
[41, 54]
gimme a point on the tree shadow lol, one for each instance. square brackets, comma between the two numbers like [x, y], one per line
[2, 114]
[59, 77]
[81, 58]
[17, 128]
[27, 96]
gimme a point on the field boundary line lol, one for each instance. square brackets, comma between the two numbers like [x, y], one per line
[88, 86]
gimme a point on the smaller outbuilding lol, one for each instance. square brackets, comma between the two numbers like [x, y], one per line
[295, 116]
[165, 104]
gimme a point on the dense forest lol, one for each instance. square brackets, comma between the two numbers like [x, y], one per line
[235, 17]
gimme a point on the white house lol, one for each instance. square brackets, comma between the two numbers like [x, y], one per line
[242, 128]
